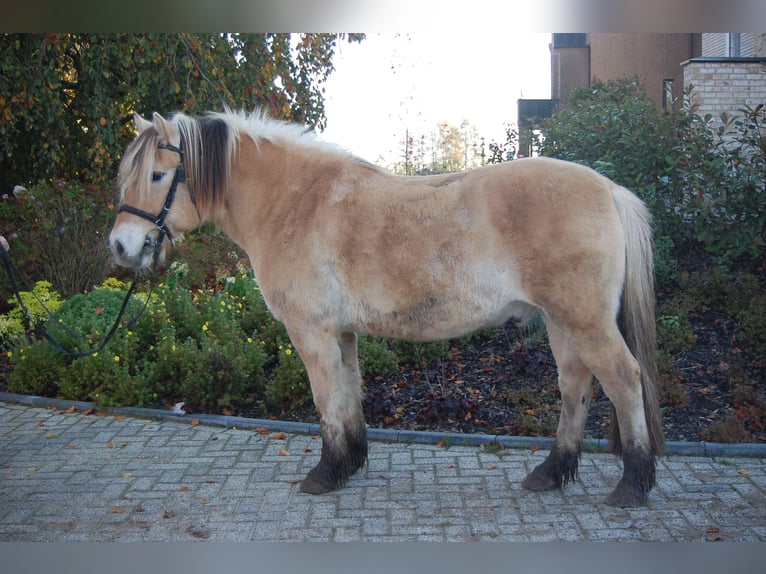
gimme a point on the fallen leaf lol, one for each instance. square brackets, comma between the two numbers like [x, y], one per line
[168, 513]
[306, 449]
[279, 436]
[100, 414]
[199, 532]
[204, 500]
[110, 444]
[140, 509]
[492, 467]
[194, 422]
[262, 431]
[89, 411]
[283, 452]
[117, 510]
[33, 468]
[450, 466]
[70, 409]
[442, 443]
[71, 445]
[743, 472]
[127, 474]
[534, 448]
[51, 436]
[293, 481]
[184, 488]
[712, 530]
[120, 417]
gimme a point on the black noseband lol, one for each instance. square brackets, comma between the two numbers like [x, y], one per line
[159, 219]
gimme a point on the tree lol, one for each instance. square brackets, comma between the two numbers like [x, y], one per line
[447, 149]
[66, 100]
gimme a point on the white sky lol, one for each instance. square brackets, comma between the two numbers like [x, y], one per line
[391, 82]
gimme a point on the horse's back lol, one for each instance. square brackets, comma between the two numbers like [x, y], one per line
[430, 257]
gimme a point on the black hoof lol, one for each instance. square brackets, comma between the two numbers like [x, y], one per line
[310, 485]
[625, 496]
[539, 480]
[559, 468]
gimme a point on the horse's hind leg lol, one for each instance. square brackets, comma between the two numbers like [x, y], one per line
[575, 384]
[333, 370]
[607, 355]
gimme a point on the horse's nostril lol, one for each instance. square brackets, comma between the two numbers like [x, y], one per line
[118, 248]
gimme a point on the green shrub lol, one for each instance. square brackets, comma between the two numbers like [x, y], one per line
[288, 387]
[37, 369]
[376, 358]
[57, 231]
[420, 354]
[703, 181]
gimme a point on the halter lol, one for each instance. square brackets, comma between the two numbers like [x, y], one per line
[159, 220]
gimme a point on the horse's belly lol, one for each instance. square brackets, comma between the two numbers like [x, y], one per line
[440, 314]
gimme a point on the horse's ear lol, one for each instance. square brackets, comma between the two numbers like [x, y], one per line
[165, 128]
[141, 124]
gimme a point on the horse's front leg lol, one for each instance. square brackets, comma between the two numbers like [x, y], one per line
[333, 369]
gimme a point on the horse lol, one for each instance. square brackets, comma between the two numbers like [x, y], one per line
[341, 247]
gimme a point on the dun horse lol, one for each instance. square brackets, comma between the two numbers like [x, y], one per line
[340, 247]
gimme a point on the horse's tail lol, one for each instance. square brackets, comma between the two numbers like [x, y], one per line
[637, 319]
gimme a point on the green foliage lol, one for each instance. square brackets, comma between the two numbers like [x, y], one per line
[38, 303]
[57, 231]
[721, 171]
[615, 128]
[704, 182]
[289, 383]
[37, 369]
[420, 354]
[376, 357]
[66, 99]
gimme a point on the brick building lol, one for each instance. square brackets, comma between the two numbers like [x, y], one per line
[578, 59]
[729, 74]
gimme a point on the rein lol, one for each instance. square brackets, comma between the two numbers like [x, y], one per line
[159, 221]
[13, 273]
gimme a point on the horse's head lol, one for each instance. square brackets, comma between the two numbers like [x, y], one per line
[155, 201]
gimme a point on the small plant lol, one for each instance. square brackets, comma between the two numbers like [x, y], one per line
[495, 448]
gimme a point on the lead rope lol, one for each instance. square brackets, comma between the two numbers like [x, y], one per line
[41, 332]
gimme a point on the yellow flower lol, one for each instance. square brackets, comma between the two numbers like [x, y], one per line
[288, 352]
[204, 327]
[9, 354]
[116, 358]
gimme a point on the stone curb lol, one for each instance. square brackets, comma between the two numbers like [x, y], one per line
[757, 450]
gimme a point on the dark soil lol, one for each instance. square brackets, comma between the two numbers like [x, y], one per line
[495, 385]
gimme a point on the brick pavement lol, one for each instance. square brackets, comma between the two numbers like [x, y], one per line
[75, 477]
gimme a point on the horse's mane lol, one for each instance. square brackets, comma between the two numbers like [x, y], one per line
[210, 143]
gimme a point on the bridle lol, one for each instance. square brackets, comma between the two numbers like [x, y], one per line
[159, 219]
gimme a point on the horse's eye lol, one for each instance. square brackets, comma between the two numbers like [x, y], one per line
[156, 176]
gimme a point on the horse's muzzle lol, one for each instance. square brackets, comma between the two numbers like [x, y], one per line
[132, 258]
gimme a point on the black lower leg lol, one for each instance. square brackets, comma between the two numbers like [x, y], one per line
[638, 478]
[341, 457]
[559, 468]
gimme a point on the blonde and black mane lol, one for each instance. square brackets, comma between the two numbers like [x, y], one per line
[210, 144]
